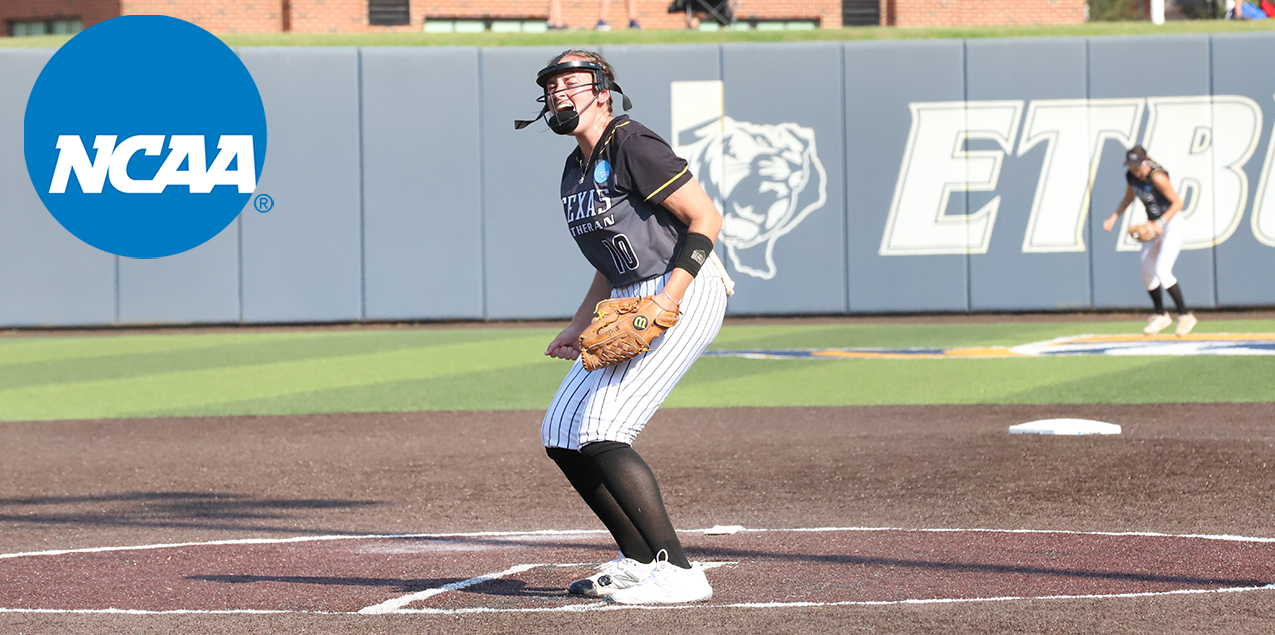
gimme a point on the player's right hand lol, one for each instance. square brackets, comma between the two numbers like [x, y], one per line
[566, 345]
[1109, 223]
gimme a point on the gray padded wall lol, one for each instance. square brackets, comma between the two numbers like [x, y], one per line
[47, 276]
[302, 260]
[1005, 278]
[1181, 67]
[797, 264]
[200, 285]
[422, 197]
[1243, 261]
[393, 203]
[533, 267]
[881, 80]
[647, 73]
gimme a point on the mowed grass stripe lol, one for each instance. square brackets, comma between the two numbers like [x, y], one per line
[293, 372]
[136, 356]
[207, 388]
[524, 387]
[30, 350]
[724, 382]
[886, 381]
[1163, 380]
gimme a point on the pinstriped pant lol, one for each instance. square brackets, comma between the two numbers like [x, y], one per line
[1159, 255]
[614, 403]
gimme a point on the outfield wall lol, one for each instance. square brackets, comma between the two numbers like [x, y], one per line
[909, 176]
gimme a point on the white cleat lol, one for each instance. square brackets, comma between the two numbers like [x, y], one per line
[1185, 324]
[612, 576]
[1157, 323]
[668, 584]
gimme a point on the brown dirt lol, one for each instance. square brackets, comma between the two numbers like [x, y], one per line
[1178, 468]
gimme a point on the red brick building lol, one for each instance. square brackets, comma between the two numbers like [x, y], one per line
[32, 17]
[980, 12]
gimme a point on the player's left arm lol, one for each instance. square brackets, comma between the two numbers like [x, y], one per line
[1161, 182]
[691, 205]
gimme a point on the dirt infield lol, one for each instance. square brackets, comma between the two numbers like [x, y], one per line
[1176, 469]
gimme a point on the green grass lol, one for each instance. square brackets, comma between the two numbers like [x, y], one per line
[652, 36]
[373, 370]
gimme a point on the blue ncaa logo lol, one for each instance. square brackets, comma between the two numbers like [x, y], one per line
[602, 172]
[145, 136]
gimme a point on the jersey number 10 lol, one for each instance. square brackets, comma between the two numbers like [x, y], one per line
[622, 253]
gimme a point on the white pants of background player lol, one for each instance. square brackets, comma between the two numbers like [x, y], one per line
[1159, 255]
[614, 403]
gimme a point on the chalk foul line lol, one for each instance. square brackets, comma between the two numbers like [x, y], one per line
[583, 532]
[398, 603]
[609, 606]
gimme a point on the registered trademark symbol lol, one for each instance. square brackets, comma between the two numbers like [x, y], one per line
[263, 203]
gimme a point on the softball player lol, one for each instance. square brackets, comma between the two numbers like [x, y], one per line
[635, 211]
[1149, 182]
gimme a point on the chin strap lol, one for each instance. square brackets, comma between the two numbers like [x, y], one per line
[519, 124]
[628, 105]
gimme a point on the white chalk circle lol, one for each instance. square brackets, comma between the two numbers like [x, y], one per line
[1065, 426]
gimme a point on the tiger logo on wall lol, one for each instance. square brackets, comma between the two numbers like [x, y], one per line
[764, 178]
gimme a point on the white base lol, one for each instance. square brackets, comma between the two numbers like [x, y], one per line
[1065, 426]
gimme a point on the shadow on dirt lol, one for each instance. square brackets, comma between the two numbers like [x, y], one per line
[515, 587]
[975, 567]
[401, 586]
[503, 587]
[183, 510]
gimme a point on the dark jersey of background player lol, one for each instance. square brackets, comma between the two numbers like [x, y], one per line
[612, 203]
[1152, 198]
[1148, 181]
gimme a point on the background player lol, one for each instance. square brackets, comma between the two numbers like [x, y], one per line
[636, 213]
[1149, 182]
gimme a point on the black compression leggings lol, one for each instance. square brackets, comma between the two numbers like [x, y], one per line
[621, 490]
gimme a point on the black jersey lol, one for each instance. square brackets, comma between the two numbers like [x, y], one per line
[1150, 195]
[612, 202]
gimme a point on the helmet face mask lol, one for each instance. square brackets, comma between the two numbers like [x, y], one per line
[565, 121]
[564, 118]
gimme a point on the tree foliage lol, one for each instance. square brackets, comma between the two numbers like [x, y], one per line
[1115, 10]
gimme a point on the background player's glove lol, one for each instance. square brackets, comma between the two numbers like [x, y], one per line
[622, 329]
[1149, 230]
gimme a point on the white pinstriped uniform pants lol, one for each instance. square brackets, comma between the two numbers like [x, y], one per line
[1159, 255]
[614, 403]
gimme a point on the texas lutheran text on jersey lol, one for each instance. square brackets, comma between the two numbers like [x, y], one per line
[612, 202]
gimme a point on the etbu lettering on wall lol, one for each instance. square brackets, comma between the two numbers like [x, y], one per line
[1207, 141]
